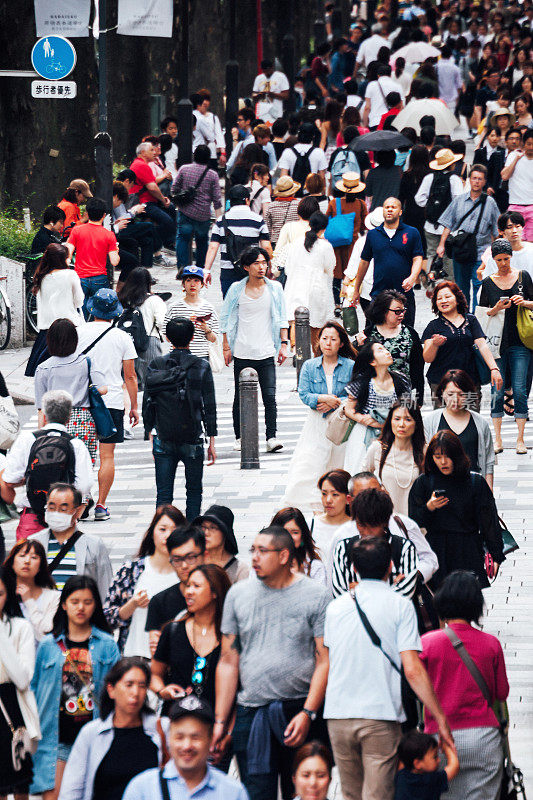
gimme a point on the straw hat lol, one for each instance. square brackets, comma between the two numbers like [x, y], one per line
[503, 112]
[350, 183]
[444, 159]
[285, 186]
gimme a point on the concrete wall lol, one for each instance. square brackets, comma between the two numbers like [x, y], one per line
[16, 291]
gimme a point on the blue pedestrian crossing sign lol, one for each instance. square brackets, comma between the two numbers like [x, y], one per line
[53, 57]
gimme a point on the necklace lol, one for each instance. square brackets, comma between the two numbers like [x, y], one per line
[396, 478]
[203, 630]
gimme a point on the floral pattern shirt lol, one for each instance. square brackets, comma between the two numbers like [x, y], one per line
[120, 591]
[399, 347]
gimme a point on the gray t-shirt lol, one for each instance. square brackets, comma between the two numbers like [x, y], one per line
[276, 629]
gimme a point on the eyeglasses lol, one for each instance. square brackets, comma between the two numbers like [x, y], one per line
[398, 311]
[262, 550]
[190, 558]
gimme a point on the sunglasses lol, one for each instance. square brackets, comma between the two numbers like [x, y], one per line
[397, 311]
[198, 677]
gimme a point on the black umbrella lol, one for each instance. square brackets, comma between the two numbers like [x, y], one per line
[379, 140]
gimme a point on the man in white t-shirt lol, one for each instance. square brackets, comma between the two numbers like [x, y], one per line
[112, 352]
[254, 324]
[518, 171]
[369, 48]
[208, 129]
[375, 96]
[270, 89]
[363, 705]
[510, 227]
[317, 158]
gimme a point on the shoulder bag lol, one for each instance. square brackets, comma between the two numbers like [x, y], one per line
[524, 320]
[512, 779]
[339, 427]
[9, 422]
[461, 245]
[21, 744]
[103, 421]
[428, 619]
[340, 228]
[186, 196]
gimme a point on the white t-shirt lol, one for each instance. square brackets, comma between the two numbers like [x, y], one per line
[521, 181]
[362, 684]
[369, 49]
[152, 582]
[376, 92]
[107, 356]
[317, 157]
[60, 296]
[171, 156]
[521, 260]
[258, 195]
[254, 333]
[270, 110]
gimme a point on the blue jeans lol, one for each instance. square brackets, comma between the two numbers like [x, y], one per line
[517, 359]
[90, 286]
[464, 273]
[187, 228]
[167, 456]
[164, 223]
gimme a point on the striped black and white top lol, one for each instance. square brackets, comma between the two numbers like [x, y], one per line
[241, 221]
[199, 345]
[404, 562]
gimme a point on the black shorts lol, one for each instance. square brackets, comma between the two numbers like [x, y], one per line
[118, 419]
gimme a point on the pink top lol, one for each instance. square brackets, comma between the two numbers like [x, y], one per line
[458, 693]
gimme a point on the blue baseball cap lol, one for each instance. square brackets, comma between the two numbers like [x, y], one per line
[104, 304]
[192, 272]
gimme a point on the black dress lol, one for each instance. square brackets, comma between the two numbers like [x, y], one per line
[12, 781]
[469, 438]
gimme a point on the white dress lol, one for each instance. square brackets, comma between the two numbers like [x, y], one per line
[310, 281]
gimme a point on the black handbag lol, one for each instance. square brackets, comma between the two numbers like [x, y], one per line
[461, 245]
[427, 617]
[186, 196]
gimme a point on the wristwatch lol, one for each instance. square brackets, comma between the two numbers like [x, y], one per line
[310, 714]
[284, 341]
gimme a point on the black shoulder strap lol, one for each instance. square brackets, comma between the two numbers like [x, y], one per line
[470, 211]
[401, 524]
[163, 782]
[374, 638]
[84, 352]
[468, 661]
[65, 548]
[202, 176]
[483, 200]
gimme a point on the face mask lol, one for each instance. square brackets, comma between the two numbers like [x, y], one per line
[57, 521]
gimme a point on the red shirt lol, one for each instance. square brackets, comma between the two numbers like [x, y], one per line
[458, 693]
[144, 175]
[393, 112]
[92, 243]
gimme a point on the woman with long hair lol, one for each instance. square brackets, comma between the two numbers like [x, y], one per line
[121, 743]
[252, 154]
[17, 662]
[457, 509]
[374, 388]
[322, 386]
[72, 662]
[409, 185]
[138, 580]
[523, 106]
[136, 294]
[309, 269]
[401, 76]
[259, 189]
[397, 457]
[311, 771]
[70, 205]
[221, 546]
[308, 560]
[330, 127]
[455, 394]
[59, 295]
[27, 567]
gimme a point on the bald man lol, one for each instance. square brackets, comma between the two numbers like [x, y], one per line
[397, 252]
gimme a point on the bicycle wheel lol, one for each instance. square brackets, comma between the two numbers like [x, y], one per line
[31, 310]
[5, 323]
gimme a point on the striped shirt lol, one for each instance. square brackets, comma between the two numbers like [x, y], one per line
[199, 345]
[67, 567]
[343, 574]
[241, 221]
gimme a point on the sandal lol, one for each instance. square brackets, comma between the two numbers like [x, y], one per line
[521, 448]
[508, 404]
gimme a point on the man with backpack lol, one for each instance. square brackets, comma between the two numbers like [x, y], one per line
[436, 192]
[113, 353]
[238, 228]
[179, 403]
[302, 159]
[40, 458]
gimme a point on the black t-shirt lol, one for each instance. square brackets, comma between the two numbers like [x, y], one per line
[427, 786]
[469, 438]
[458, 350]
[131, 752]
[489, 296]
[163, 607]
[175, 650]
[483, 95]
[77, 691]
[42, 239]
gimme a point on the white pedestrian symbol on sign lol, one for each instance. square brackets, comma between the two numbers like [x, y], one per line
[47, 49]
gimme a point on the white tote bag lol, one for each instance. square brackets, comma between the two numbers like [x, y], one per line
[9, 422]
[492, 328]
[216, 356]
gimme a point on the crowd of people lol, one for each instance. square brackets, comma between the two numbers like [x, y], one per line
[350, 636]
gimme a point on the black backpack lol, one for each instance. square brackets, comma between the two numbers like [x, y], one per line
[51, 460]
[302, 165]
[168, 390]
[131, 322]
[440, 196]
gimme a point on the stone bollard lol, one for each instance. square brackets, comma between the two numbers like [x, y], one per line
[248, 411]
[302, 338]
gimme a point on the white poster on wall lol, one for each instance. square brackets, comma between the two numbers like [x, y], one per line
[62, 17]
[145, 17]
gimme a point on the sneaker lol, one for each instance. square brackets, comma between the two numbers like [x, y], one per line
[87, 510]
[273, 445]
[128, 433]
[164, 261]
[101, 513]
[237, 445]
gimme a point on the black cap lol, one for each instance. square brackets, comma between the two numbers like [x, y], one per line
[192, 706]
[223, 517]
[238, 193]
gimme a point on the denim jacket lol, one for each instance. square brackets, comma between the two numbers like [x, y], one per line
[46, 686]
[229, 316]
[313, 380]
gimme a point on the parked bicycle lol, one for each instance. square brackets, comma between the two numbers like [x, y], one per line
[30, 301]
[5, 314]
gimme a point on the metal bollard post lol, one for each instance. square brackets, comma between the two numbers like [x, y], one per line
[248, 412]
[302, 338]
